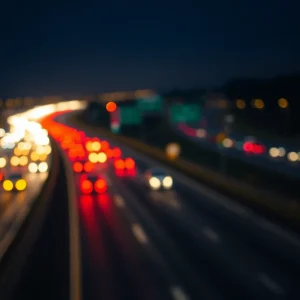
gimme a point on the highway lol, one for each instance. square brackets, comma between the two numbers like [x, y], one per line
[15, 205]
[202, 244]
[134, 243]
[14, 208]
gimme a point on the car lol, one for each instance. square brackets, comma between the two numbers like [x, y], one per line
[92, 184]
[14, 182]
[41, 167]
[83, 166]
[157, 178]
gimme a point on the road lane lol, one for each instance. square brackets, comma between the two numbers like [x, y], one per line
[216, 252]
[15, 206]
[113, 265]
[247, 241]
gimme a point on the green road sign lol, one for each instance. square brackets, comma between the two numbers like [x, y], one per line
[152, 103]
[130, 116]
[185, 113]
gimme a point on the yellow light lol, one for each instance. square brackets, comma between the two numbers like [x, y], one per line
[96, 146]
[89, 146]
[274, 152]
[21, 146]
[21, 185]
[32, 168]
[25, 152]
[240, 104]
[23, 161]
[15, 161]
[102, 157]
[40, 150]
[93, 157]
[34, 156]
[2, 162]
[293, 156]
[48, 149]
[259, 104]
[43, 157]
[27, 146]
[227, 143]
[7, 185]
[283, 103]
[17, 152]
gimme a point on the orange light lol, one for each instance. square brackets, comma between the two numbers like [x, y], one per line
[104, 145]
[88, 167]
[86, 186]
[109, 153]
[100, 186]
[111, 106]
[77, 167]
[117, 152]
[89, 146]
[129, 163]
[119, 164]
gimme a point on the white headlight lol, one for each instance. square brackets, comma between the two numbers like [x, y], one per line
[167, 182]
[154, 183]
[32, 167]
[43, 167]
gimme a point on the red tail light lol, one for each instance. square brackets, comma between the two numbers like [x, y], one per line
[129, 163]
[104, 145]
[86, 186]
[117, 152]
[77, 167]
[100, 186]
[258, 149]
[88, 167]
[119, 164]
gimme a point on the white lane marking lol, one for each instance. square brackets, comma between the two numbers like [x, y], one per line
[108, 181]
[139, 233]
[178, 293]
[211, 234]
[279, 231]
[119, 201]
[270, 284]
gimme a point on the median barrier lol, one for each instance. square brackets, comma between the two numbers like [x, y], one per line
[27, 230]
[279, 206]
[74, 232]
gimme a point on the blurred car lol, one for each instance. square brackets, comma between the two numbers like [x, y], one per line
[83, 166]
[157, 179]
[14, 182]
[38, 167]
[125, 167]
[91, 183]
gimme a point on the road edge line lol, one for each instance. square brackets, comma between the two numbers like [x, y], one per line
[74, 233]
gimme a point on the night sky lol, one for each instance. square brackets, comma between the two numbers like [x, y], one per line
[53, 47]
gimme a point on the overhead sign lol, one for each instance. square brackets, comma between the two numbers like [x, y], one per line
[130, 115]
[152, 103]
[181, 113]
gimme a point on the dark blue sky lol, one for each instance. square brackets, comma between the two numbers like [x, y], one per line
[52, 47]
